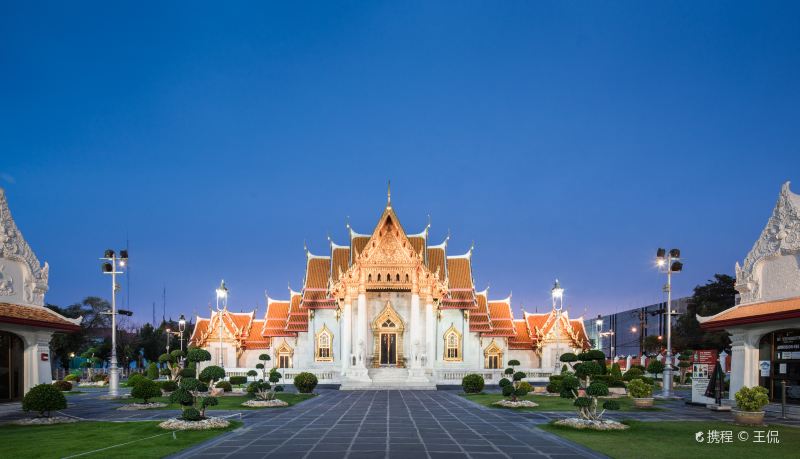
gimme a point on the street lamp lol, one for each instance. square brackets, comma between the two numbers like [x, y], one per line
[222, 294]
[557, 295]
[112, 260]
[668, 263]
[598, 327]
[169, 335]
[181, 329]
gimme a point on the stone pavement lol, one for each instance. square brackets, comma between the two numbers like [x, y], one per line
[389, 424]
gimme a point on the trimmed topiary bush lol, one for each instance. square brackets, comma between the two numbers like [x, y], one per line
[169, 386]
[238, 380]
[569, 386]
[615, 372]
[752, 398]
[305, 382]
[472, 383]
[63, 386]
[508, 390]
[205, 403]
[554, 387]
[191, 414]
[526, 386]
[504, 382]
[256, 386]
[225, 386]
[633, 373]
[252, 373]
[597, 389]
[146, 389]
[611, 405]
[639, 389]
[44, 398]
[211, 373]
[188, 373]
[134, 379]
[655, 367]
[71, 377]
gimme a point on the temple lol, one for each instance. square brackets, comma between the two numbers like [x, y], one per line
[390, 310]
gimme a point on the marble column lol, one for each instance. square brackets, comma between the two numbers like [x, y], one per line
[415, 342]
[361, 344]
[347, 324]
[744, 361]
[430, 327]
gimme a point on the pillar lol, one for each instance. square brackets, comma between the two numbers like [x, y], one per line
[744, 362]
[430, 339]
[347, 324]
[361, 343]
[415, 342]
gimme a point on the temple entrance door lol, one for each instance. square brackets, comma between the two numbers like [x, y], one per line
[388, 348]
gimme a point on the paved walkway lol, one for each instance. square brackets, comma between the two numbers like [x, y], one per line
[389, 424]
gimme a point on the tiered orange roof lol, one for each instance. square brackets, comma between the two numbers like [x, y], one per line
[479, 319]
[255, 339]
[502, 318]
[236, 324]
[315, 291]
[340, 260]
[298, 315]
[522, 336]
[418, 243]
[460, 289]
[276, 318]
[436, 260]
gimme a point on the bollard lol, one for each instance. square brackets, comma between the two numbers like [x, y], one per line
[783, 399]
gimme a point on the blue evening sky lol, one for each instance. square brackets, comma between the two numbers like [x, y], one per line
[567, 139]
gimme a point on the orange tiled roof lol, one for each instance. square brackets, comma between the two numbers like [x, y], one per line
[298, 317]
[436, 261]
[418, 243]
[341, 261]
[461, 292]
[753, 313]
[315, 292]
[501, 317]
[38, 316]
[522, 337]
[275, 319]
[580, 333]
[479, 319]
[357, 245]
[254, 339]
[200, 329]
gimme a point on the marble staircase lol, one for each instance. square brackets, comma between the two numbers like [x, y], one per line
[388, 378]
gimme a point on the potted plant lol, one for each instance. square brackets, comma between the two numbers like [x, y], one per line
[641, 392]
[750, 402]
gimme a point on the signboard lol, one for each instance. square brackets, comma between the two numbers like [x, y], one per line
[703, 365]
[764, 366]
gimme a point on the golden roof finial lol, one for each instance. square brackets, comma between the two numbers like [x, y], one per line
[389, 194]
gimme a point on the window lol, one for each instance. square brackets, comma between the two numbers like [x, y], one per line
[284, 353]
[494, 362]
[397, 277]
[494, 356]
[284, 361]
[379, 277]
[452, 344]
[324, 339]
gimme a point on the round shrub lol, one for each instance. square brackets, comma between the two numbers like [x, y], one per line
[519, 376]
[256, 386]
[508, 390]
[252, 373]
[615, 372]
[636, 365]
[168, 386]
[71, 377]
[611, 405]
[513, 363]
[597, 389]
[508, 371]
[472, 383]
[146, 389]
[554, 387]
[568, 357]
[589, 368]
[752, 398]
[182, 396]
[655, 367]
[520, 392]
[191, 414]
[165, 372]
[208, 401]
[44, 398]
[595, 354]
[570, 382]
[211, 373]
[225, 386]
[633, 373]
[525, 385]
[63, 386]
[305, 382]
[639, 389]
[134, 379]
[188, 373]
[278, 388]
[582, 402]
[238, 380]
[504, 382]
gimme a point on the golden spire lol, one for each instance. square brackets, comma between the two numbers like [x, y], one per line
[389, 194]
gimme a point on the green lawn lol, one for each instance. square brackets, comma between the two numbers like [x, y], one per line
[547, 403]
[63, 440]
[671, 439]
[230, 402]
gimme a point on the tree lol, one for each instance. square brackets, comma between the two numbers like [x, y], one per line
[211, 374]
[655, 367]
[714, 297]
[91, 360]
[146, 389]
[685, 362]
[652, 344]
[264, 358]
[172, 360]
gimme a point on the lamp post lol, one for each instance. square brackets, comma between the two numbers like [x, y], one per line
[222, 294]
[110, 267]
[598, 326]
[169, 335]
[181, 329]
[557, 295]
[668, 263]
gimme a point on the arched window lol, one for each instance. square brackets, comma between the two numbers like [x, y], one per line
[493, 355]
[388, 277]
[379, 277]
[324, 345]
[452, 344]
[406, 277]
[284, 353]
[397, 277]
[369, 278]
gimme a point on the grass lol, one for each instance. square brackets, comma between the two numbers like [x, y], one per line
[63, 440]
[547, 403]
[671, 439]
[230, 402]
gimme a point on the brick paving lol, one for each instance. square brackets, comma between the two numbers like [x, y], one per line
[389, 424]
